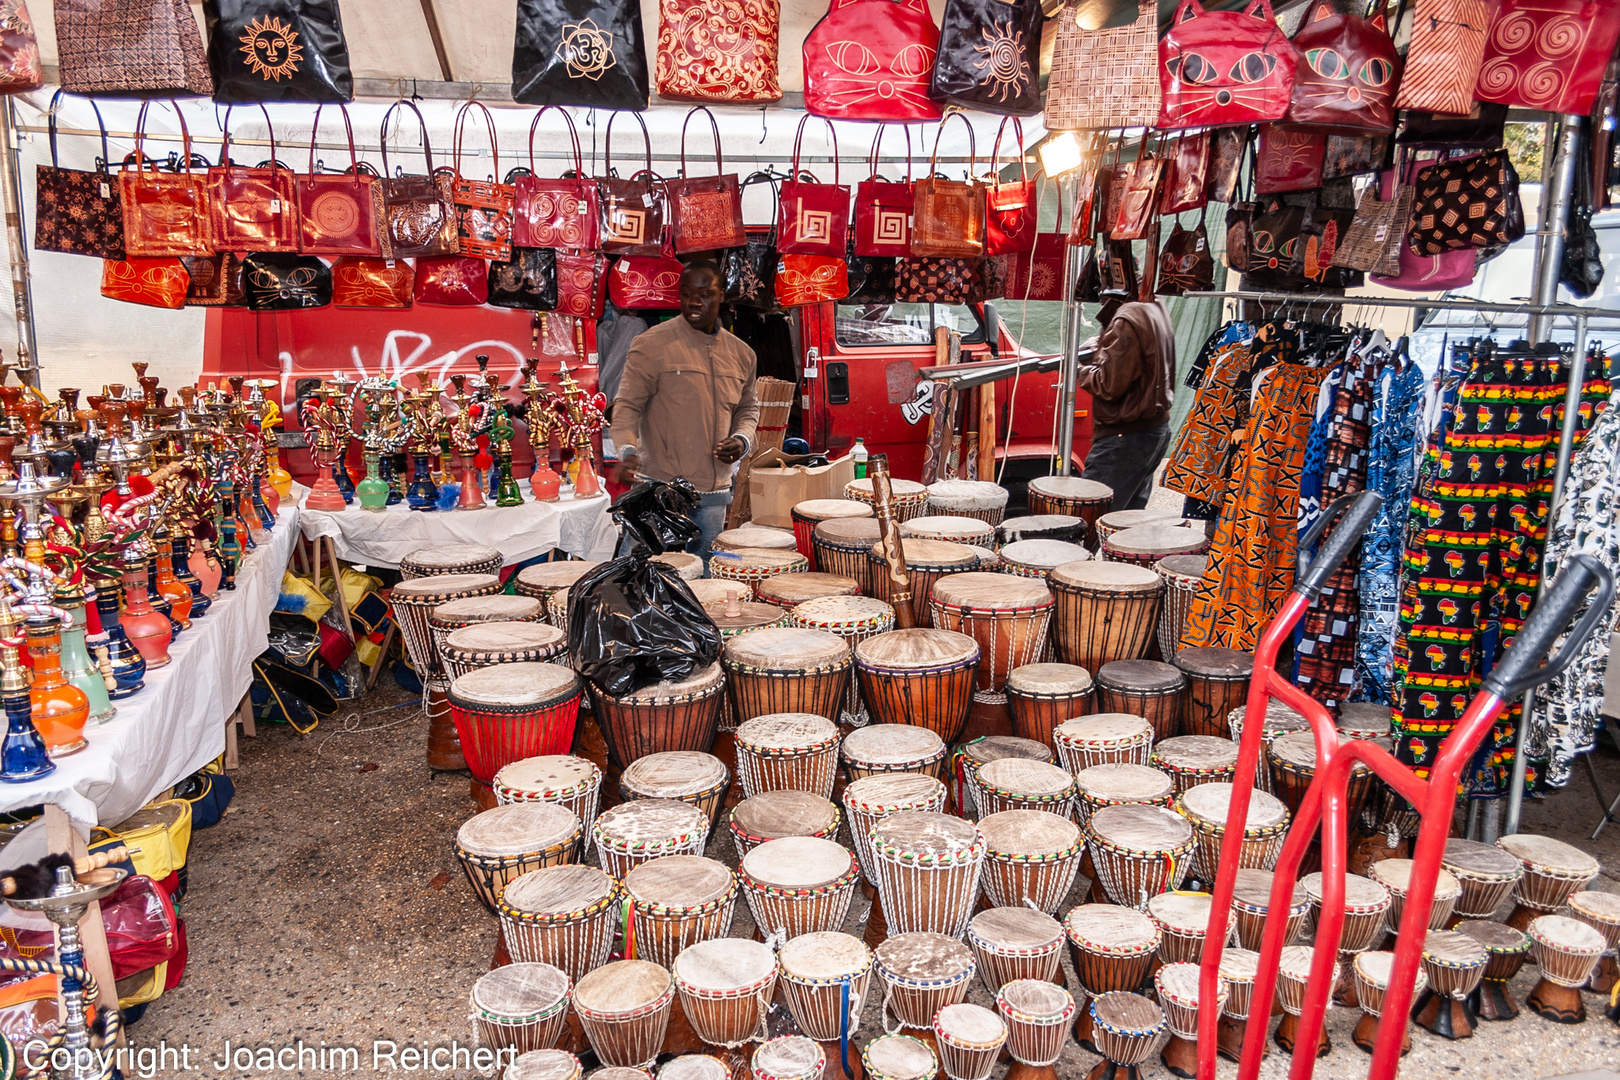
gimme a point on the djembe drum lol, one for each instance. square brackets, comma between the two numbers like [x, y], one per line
[1193, 760]
[1147, 545]
[1280, 719]
[753, 565]
[1043, 697]
[1366, 905]
[812, 512]
[571, 782]
[1396, 875]
[1239, 970]
[1292, 757]
[1485, 873]
[1139, 851]
[736, 620]
[1038, 1015]
[1207, 808]
[632, 833]
[870, 799]
[1065, 527]
[1363, 720]
[1217, 683]
[920, 974]
[776, 815]
[899, 1057]
[1567, 951]
[624, 1008]
[1119, 784]
[1251, 906]
[442, 559]
[665, 716]
[521, 1007]
[618, 1072]
[1146, 688]
[969, 1038]
[1007, 616]
[1553, 872]
[1455, 964]
[1182, 574]
[1085, 499]
[483, 645]
[785, 669]
[687, 776]
[684, 563]
[1038, 558]
[676, 901]
[509, 712]
[551, 1065]
[1021, 784]
[799, 885]
[1113, 948]
[541, 580]
[725, 987]
[921, 677]
[892, 748]
[787, 1057]
[1293, 975]
[1600, 911]
[927, 867]
[412, 601]
[498, 846]
[1117, 521]
[787, 752]
[1103, 739]
[981, 499]
[949, 528]
[841, 546]
[694, 1067]
[1177, 988]
[788, 591]
[1182, 919]
[909, 499]
[853, 618]
[1126, 1028]
[713, 592]
[474, 610]
[824, 977]
[1012, 943]
[1371, 971]
[971, 756]
[1031, 858]
[1507, 949]
[749, 535]
[565, 916]
[928, 562]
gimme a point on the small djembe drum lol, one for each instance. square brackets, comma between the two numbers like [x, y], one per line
[786, 669]
[1148, 545]
[1063, 527]
[632, 833]
[1031, 858]
[565, 916]
[1012, 943]
[624, 1008]
[1251, 906]
[984, 500]
[812, 512]
[1293, 975]
[972, 756]
[1042, 697]
[1280, 719]
[500, 845]
[787, 752]
[1239, 970]
[969, 1037]
[921, 676]
[1177, 988]
[949, 528]
[1292, 757]
[788, 591]
[1038, 1015]
[1103, 612]
[1013, 783]
[1455, 964]
[1217, 683]
[508, 712]
[1600, 911]
[870, 799]
[1119, 784]
[892, 748]
[438, 560]
[676, 901]
[921, 974]
[541, 580]
[787, 1057]
[1366, 906]
[688, 776]
[1104, 739]
[799, 885]
[551, 1065]
[1007, 616]
[1553, 872]
[1126, 1028]
[1396, 876]
[1567, 951]
[753, 565]
[908, 498]
[725, 987]
[1117, 521]
[841, 546]
[485, 644]
[521, 1007]
[825, 977]
[899, 1057]
[679, 715]
[1192, 760]
[1207, 809]
[694, 1067]
[1113, 948]
[454, 615]
[1038, 558]
[1182, 919]
[1363, 720]
[1073, 495]
[1371, 971]
[684, 563]
[1139, 851]
[1508, 949]
[1485, 873]
[574, 783]
[927, 867]
[412, 602]
[853, 618]
[777, 815]
[749, 535]
[1182, 575]
[1145, 688]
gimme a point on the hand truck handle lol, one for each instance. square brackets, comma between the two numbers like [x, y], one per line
[1357, 512]
[1520, 667]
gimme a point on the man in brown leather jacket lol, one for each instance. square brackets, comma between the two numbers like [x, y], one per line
[1131, 379]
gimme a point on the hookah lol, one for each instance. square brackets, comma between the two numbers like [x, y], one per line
[463, 440]
[187, 511]
[344, 402]
[269, 487]
[22, 756]
[326, 420]
[382, 434]
[165, 583]
[583, 419]
[502, 480]
[425, 419]
[93, 676]
[541, 417]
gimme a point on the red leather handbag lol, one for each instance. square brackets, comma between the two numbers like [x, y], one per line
[581, 284]
[556, 213]
[253, 209]
[1547, 54]
[1224, 67]
[1348, 72]
[883, 208]
[483, 207]
[812, 218]
[810, 279]
[1082, 223]
[1186, 170]
[154, 282]
[1009, 216]
[1037, 274]
[451, 281]
[872, 60]
[646, 282]
[709, 51]
[164, 213]
[633, 210]
[337, 212]
[1137, 201]
[705, 213]
[947, 216]
[1290, 159]
[372, 283]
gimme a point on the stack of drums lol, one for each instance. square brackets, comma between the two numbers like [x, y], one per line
[1146, 688]
[1070, 530]
[927, 562]
[1105, 612]
[1113, 948]
[1117, 521]
[676, 901]
[1146, 545]
[484, 644]
[472, 610]
[442, 559]
[1182, 574]
[1072, 495]
[1012, 943]
[413, 601]
[776, 815]
[788, 591]
[689, 776]
[507, 712]
[565, 916]
[893, 748]
[952, 530]
[970, 756]
[543, 580]
[843, 545]
[1031, 858]
[1044, 697]
[980, 499]
[853, 618]
[759, 537]
[786, 669]
[1104, 739]
[812, 512]
[680, 715]
[1007, 616]
[1038, 558]
[922, 677]
[498, 846]
[1217, 683]
[753, 565]
[568, 781]
[870, 799]
[910, 499]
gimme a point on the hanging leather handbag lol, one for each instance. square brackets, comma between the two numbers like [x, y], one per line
[451, 281]
[1104, 78]
[1186, 169]
[989, 56]
[750, 270]
[1348, 72]
[633, 210]
[1224, 67]
[581, 284]
[1138, 201]
[1547, 55]
[1466, 203]
[947, 216]
[883, 208]
[483, 207]
[1289, 158]
[1581, 271]
[154, 282]
[254, 209]
[1482, 127]
[707, 52]
[1037, 274]
[872, 60]
[215, 280]
[1109, 265]
[1369, 233]
[810, 279]
[1322, 229]
[994, 273]
[20, 69]
[279, 281]
[873, 279]
[278, 50]
[812, 218]
[358, 282]
[337, 212]
[142, 48]
[561, 213]
[1444, 56]
[645, 282]
[705, 212]
[1354, 155]
[1239, 228]
[1010, 224]
[1185, 264]
[77, 212]
[164, 213]
[1227, 147]
[419, 212]
[1274, 237]
[527, 280]
[1083, 222]
[932, 280]
[586, 53]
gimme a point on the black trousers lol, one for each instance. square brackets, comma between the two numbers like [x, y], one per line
[1126, 463]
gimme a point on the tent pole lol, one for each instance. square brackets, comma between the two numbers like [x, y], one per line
[27, 365]
[1550, 234]
[1069, 369]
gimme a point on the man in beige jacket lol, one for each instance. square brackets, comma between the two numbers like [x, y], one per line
[686, 404]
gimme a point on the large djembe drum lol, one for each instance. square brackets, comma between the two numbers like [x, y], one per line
[950, 528]
[1043, 697]
[439, 559]
[1007, 616]
[1455, 963]
[486, 644]
[786, 669]
[1217, 683]
[922, 677]
[676, 901]
[909, 499]
[1031, 858]
[842, 545]
[1139, 851]
[1567, 951]
[853, 618]
[812, 512]
[799, 885]
[1012, 943]
[632, 833]
[1038, 558]
[891, 748]
[1073, 495]
[542, 580]
[508, 712]
[500, 845]
[1103, 612]
[565, 916]
[981, 499]
[624, 1008]
[678, 715]
[1485, 873]
[1145, 688]
[1251, 907]
[928, 867]
[870, 799]
[920, 974]
[787, 752]
[521, 1007]
[825, 978]
[1207, 808]
[568, 781]
[1366, 907]
[1192, 760]
[725, 987]
[412, 602]
[1103, 739]
[1113, 948]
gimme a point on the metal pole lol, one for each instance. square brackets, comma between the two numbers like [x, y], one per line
[1554, 212]
[26, 366]
[1069, 370]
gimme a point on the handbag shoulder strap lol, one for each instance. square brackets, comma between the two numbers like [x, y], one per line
[764, 176]
[315, 130]
[573, 137]
[225, 136]
[798, 138]
[877, 139]
[995, 149]
[427, 145]
[489, 126]
[714, 125]
[607, 144]
[140, 138]
[973, 149]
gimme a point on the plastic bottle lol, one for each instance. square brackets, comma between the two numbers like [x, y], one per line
[860, 456]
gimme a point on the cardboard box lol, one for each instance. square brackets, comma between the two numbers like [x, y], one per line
[773, 492]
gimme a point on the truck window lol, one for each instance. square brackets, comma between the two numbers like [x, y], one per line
[898, 324]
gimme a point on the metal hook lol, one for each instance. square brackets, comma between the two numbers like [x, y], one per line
[764, 129]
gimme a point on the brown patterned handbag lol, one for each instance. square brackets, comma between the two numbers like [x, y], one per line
[78, 212]
[936, 280]
[1185, 264]
[20, 68]
[337, 212]
[948, 216]
[164, 213]
[132, 47]
[705, 212]
[419, 212]
[216, 280]
[254, 208]
[483, 207]
[1467, 203]
[1104, 78]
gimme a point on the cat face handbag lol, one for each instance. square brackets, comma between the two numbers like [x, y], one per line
[633, 210]
[483, 207]
[279, 281]
[1224, 67]
[947, 216]
[419, 212]
[372, 283]
[645, 282]
[164, 213]
[810, 279]
[78, 212]
[254, 209]
[883, 208]
[812, 218]
[528, 280]
[1009, 207]
[1185, 264]
[1348, 72]
[1186, 170]
[561, 213]
[337, 212]
[1289, 159]
[872, 60]
[153, 282]
[705, 212]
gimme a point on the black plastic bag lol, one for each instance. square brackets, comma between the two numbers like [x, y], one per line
[278, 50]
[659, 514]
[589, 53]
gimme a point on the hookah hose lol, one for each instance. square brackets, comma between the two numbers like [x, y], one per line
[112, 1023]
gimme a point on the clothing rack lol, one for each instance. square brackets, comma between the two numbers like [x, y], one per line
[1580, 314]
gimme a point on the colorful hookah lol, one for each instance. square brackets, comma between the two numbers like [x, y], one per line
[464, 440]
[582, 420]
[22, 755]
[382, 434]
[326, 419]
[543, 420]
[426, 421]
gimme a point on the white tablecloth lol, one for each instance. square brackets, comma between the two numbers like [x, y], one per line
[580, 527]
[176, 723]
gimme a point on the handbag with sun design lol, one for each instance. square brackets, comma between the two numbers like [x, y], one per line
[278, 50]
[989, 56]
[589, 53]
[1037, 273]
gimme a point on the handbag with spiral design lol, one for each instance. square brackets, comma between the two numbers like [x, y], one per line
[581, 284]
[1547, 55]
[989, 56]
[556, 213]
[883, 208]
[419, 212]
[633, 210]
[812, 218]
[1104, 78]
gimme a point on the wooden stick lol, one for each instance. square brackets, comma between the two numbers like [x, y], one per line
[987, 431]
[894, 555]
[8, 885]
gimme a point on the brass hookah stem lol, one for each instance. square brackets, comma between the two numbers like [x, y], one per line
[894, 555]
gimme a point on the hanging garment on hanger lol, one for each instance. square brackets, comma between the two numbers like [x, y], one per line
[1198, 462]
[1214, 345]
[1310, 475]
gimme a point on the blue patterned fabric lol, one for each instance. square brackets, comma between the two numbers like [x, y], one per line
[1310, 480]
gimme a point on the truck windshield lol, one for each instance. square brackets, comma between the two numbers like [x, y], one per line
[898, 324]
